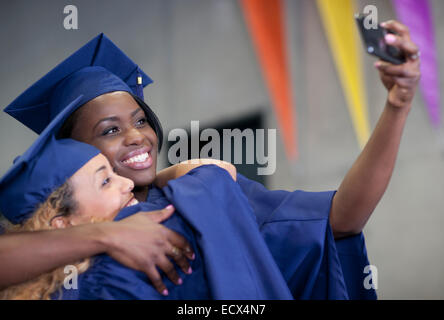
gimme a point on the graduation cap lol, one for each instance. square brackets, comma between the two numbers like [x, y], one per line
[43, 168]
[96, 68]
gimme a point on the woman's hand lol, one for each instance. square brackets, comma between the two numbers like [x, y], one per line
[142, 243]
[400, 80]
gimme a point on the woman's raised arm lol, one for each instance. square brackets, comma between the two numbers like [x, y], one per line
[367, 180]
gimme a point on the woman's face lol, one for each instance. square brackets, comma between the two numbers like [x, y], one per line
[115, 124]
[99, 192]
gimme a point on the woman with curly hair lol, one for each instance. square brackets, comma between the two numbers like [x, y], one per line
[59, 203]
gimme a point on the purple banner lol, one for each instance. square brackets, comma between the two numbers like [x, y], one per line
[417, 16]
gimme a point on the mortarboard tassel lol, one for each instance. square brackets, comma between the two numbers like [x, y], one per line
[139, 85]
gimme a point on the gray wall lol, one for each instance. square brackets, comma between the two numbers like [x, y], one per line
[200, 56]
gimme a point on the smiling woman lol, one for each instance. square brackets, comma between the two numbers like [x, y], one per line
[102, 198]
[116, 124]
[55, 200]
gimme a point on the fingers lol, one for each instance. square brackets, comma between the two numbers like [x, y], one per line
[403, 43]
[397, 70]
[407, 74]
[161, 215]
[170, 245]
[156, 280]
[167, 267]
[179, 258]
[181, 243]
[396, 26]
[402, 39]
[175, 239]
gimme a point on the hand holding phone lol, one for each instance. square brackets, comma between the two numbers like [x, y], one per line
[375, 43]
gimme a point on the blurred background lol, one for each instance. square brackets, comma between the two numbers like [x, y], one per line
[204, 57]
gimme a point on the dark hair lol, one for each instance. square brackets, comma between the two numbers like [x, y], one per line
[153, 121]
[65, 131]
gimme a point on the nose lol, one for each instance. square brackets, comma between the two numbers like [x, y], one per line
[127, 185]
[133, 137]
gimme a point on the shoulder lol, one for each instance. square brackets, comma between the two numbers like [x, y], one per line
[212, 171]
[282, 205]
[211, 165]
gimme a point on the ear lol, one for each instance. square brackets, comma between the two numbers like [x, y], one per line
[59, 222]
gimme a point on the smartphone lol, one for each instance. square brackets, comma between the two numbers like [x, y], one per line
[375, 44]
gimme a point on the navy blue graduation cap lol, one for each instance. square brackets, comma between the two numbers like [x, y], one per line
[96, 68]
[43, 168]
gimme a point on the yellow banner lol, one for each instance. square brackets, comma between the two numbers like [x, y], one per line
[343, 37]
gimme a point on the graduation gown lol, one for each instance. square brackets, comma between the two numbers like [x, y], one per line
[250, 243]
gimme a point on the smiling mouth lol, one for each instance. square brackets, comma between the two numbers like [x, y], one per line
[139, 161]
[132, 202]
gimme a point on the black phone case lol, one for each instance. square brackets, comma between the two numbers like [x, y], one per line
[375, 44]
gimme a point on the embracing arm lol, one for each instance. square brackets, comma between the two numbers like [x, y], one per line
[139, 242]
[184, 167]
[26, 255]
[367, 180]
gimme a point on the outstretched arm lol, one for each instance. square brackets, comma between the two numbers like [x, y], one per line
[139, 242]
[184, 167]
[367, 180]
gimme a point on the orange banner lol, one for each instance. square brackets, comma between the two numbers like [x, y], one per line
[266, 23]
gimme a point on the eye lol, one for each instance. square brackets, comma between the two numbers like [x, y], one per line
[106, 181]
[110, 131]
[141, 121]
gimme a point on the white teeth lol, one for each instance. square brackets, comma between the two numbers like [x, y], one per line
[132, 202]
[139, 158]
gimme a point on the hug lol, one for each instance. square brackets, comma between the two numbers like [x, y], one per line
[94, 163]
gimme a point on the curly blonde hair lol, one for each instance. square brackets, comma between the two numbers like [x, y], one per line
[59, 203]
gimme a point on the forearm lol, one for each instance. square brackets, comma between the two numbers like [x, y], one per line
[184, 167]
[26, 255]
[367, 180]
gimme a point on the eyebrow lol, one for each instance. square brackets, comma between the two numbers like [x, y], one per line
[136, 112]
[101, 168]
[114, 118]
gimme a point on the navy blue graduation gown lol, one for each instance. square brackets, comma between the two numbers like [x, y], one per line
[296, 228]
[250, 243]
